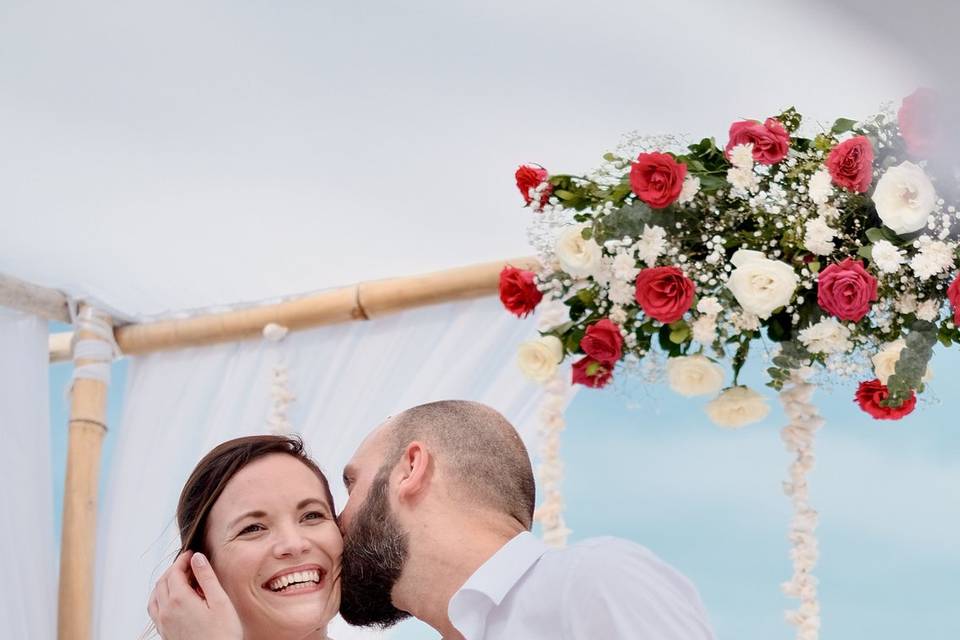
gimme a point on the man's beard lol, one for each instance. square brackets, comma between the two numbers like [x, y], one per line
[374, 553]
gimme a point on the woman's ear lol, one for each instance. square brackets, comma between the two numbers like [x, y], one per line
[415, 471]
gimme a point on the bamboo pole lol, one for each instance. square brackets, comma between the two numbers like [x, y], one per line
[88, 404]
[46, 303]
[60, 347]
[357, 302]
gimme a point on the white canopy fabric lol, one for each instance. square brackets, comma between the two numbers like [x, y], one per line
[181, 155]
[28, 596]
[347, 380]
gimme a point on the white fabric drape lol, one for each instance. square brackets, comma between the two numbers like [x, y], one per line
[28, 594]
[347, 379]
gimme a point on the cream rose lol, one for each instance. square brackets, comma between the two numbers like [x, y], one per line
[885, 361]
[904, 197]
[578, 257]
[538, 359]
[694, 375]
[736, 407]
[759, 284]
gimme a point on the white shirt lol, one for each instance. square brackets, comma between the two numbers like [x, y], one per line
[602, 588]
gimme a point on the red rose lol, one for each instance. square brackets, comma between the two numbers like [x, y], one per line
[770, 140]
[657, 179]
[872, 392]
[592, 373]
[921, 122]
[603, 342]
[851, 164]
[530, 177]
[846, 290]
[664, 293]
[518, 292]
[953, 294]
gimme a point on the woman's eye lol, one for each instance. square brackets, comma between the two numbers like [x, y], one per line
[251, 528]
[314, 515]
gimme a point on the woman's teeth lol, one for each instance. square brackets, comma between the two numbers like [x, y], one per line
[291, 579]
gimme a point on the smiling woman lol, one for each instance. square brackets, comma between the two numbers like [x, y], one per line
[261, 511]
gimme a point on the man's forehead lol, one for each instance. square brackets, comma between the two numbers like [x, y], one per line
[371, 449]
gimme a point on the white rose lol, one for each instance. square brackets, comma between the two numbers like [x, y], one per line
[694, 375]
[761, 285]
[578, 257]
[538, 359]
[885, 361]
[736, 407]
[905, 198]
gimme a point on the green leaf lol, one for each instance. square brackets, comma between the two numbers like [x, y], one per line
[842, 125]
[740, 358]
[779, 327]
[587, 296]
[777, 374]
[670, 347]
[679, 336]
[563, 194]
[710, 183]
[875, 234]
[572, 340]
[866, 252]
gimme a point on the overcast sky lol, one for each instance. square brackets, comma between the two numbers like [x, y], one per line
[168, 156]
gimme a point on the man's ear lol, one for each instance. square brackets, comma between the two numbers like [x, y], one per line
[415, 471]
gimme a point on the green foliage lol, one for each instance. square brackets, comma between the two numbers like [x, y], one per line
[791, 119]
[679, 332]
[740, 357]
[877, 234]
[629, 220]
[913, 362]
[792, 356]
[669, 346]
[842, 125]
[779, 327]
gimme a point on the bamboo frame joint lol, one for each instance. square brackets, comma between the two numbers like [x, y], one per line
[96, 423]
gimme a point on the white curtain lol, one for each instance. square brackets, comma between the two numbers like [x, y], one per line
[347, 379]
[28, 602]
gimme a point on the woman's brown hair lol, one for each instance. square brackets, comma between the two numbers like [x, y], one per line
[215, 470]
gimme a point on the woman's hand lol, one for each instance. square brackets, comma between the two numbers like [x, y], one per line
[181, 613]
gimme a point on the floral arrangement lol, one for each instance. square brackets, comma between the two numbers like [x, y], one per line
[836, 247]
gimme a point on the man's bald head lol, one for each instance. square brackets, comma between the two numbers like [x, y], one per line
[476, 447]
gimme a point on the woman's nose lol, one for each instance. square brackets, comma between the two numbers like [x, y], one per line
[290, 542]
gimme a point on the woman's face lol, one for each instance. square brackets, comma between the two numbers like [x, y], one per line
[275, 546]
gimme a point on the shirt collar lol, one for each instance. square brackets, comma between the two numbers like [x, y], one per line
[498, 575]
